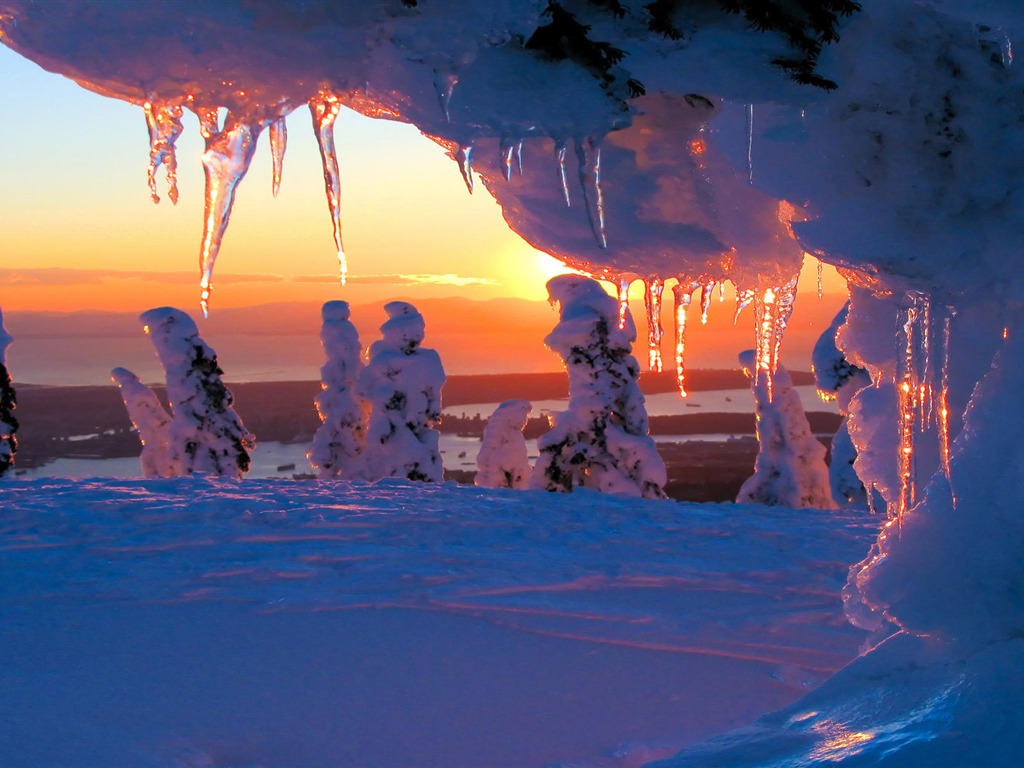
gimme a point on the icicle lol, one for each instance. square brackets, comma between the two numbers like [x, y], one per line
[750, 143]
[942, 410]
[914, 388]
[623, 300]
[588, 153]
[444, 84]
[773, 309]
[325, 110]
[820, 289]
[721, 292]
[209, 121]
[164, 124]
[225, 162]
[707, 292]
[278, 144]
[507, 148]
[681, 293]
[744, 298]
[653, 289]
[519, 156]
[560, 159]
[463, 155]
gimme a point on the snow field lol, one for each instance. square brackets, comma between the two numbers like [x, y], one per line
[193, 622]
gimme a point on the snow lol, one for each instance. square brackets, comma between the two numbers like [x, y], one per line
[151, 422]
[200, 622]
[907, 176]
[790, 467]
[601, 440]
[339, 440]
[205, 433]
[402, 384]
[503, 459]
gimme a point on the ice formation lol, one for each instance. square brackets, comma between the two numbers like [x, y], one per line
[205, 433]
[908, 174]
[503, 461]
[339, 440]
[601, 441]
[402, 383]
[790, 469]
[838, 379]
[151, 422]
[8, 402]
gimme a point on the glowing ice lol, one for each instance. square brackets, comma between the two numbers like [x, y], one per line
[226, 160]
[325, 108]
[653, 290]
[278, 144]
[681, 292]
[164, 124]
[560, 160]
[588, 153]
[463, 155]
[707, 292]
[623, 289]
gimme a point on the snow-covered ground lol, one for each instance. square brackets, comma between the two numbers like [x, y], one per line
[198, 623]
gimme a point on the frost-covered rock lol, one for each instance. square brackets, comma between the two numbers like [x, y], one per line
[339, 440]
[503, 460]
[602, 440]
[790, 469]
[151, 422]
[402, 383]
[8, 402]
[838, 379]
[205, 433]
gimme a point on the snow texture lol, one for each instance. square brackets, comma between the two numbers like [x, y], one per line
[191, 622]
[340, 439]
[8, 402]
[402, 383]
[503, 460]
[151, 422]
[205, 434]
[790, 468]
[838, 379]
[602, 440]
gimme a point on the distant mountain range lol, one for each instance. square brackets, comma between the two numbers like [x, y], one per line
[279, 342]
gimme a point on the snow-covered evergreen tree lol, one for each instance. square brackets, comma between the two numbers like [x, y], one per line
[151, 422]
[838, 379]
[205, 434]
[402, 383]
[503, 461]
[790, 469]
[339, 440]
[601, 441]
[8, 402]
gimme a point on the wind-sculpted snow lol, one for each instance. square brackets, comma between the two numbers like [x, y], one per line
[132, 610]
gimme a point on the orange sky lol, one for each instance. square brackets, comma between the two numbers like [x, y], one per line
[79, 230]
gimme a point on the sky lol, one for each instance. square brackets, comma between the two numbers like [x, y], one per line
[80, 232]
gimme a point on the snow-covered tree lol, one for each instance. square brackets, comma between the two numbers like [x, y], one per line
[790, 469]
[151, 422]
[339, 440]
[205, 433]
[503, 461]
[402, 383]
[838, 379]
[8, 402]
[601, 441]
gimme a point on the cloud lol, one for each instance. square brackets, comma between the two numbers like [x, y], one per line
[445, 279]
[77, 277]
